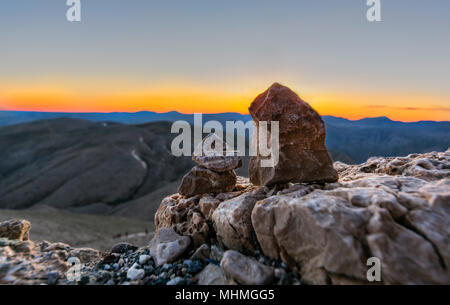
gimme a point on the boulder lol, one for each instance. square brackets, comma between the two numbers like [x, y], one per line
[246, 270]
[201, 180]
[303, 156]
[216, 155]
[166, 246]
[15, 229]
[331, 233]
[232, 220]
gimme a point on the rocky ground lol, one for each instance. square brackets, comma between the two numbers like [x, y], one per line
[396, 209]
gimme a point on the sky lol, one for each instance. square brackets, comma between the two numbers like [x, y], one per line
[215, 56]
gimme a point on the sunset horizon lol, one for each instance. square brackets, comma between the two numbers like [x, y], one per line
[153, 56]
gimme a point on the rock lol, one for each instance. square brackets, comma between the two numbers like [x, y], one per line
[24, 246]
[122, 248]
[232, 221]
[212, 275]
[176, 281]
[195, 227]
[183, 215]
[143, 259]
[216, 253]
[246, 270]
[111, 258]
[193, 266]
[15, 229]
[134, 274]
[331, 233]
[47, 246]
[303, 156]
[201, 180]
[167, 245]
[208, 205]
[429, 167]
[216, 155]
[202, 252]
[53, 277]
[85, 255]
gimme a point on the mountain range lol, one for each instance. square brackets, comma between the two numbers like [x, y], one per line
[120, 164]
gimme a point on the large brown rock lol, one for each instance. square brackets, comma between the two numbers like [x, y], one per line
[303, 156]
[216, 155]
[201, 180]
[331, 233]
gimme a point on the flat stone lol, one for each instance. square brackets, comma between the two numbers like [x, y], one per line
[214, 154]
[201, 180]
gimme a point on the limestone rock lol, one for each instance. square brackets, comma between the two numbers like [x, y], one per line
[246, 270]
[208, 205]
[167, 245]
[201, 180]
[196, 227]
[15, 229]
[216, 155]
[232, 220]
[212, 275]
[303, 156]
[184, 216]
[429, 167]
[331, 233]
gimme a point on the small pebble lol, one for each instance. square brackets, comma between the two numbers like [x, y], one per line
[176, 281]
[143, 259]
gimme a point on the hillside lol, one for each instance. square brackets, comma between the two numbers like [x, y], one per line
[110, 168]
[84, 166]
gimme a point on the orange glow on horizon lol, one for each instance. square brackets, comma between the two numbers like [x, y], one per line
[400, 107]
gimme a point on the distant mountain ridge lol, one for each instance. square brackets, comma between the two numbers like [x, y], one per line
[354, 141]
[17, 117]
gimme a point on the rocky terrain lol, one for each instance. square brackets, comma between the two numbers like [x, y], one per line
[227, 229]
[396, 209]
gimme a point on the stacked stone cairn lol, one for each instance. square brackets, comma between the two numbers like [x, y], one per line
[215, 170]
